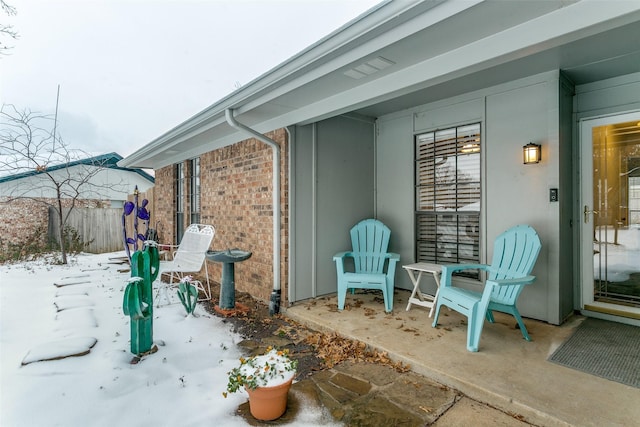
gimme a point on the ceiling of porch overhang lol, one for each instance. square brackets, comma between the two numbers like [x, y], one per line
[434, 50]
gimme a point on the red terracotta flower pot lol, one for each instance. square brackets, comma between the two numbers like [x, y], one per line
[269, 403]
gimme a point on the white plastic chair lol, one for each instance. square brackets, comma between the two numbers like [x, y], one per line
[189, 257]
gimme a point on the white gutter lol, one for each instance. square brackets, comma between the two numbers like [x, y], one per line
[274, 302]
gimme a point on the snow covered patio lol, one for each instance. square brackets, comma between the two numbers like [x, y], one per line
[181, 384]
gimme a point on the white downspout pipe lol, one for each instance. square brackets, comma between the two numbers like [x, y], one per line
[274, 302]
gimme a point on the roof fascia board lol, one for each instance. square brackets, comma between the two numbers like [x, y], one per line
[182, 155]
[380, 21]
[373, 37]
[108, 160]
[362, 49]
[568, 24]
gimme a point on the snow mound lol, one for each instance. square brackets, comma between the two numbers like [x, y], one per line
[72, 280]
[71, 319]
[72, 301]
[55, 350]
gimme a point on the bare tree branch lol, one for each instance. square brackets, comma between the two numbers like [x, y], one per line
[54, 174]
[7, 31]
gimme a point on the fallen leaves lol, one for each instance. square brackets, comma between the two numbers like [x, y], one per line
[334, 349]
[369, 312]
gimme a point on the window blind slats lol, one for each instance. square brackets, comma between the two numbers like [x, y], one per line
[448, 195]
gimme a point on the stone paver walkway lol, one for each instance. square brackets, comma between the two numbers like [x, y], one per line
[367, 394]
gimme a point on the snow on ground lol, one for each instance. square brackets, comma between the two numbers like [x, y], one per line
[616, 261]
[180, 385]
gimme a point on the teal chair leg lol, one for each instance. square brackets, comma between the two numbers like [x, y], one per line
[435, 316]
[512, 310]
[523, 328]
[474, 328]
[388, 299]
[490, 316]
[342, 295]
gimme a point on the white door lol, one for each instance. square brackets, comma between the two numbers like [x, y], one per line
[610, 214]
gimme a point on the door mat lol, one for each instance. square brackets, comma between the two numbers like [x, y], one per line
[606, 349]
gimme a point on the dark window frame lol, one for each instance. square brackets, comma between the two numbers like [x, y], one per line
[194, 193]
[179, 201]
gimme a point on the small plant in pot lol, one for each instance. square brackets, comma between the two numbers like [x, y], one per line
[267, 379]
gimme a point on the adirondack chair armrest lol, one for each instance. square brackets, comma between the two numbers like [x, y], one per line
[393, 259]
[339, 260]
[526, 280]
[342, 255]
[448, 270]
[392, 256]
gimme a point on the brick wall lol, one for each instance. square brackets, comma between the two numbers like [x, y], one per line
[162, 215]
[236, 198]
[20, 219]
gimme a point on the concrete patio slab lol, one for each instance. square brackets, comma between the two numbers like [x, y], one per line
[508, 373]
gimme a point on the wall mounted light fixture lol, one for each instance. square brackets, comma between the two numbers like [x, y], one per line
[532, 153]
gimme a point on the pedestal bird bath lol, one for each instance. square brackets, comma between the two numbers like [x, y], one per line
[228, 258]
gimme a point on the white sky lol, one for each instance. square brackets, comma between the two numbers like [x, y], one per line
[131, 70]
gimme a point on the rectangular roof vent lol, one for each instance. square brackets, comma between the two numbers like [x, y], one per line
[369, 67]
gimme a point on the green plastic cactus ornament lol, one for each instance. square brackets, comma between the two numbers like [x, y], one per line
[188, 294]
[138, 298]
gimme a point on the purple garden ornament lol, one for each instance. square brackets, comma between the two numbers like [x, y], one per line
[135, 242]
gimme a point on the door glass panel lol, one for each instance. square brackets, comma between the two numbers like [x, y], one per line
[616, 200]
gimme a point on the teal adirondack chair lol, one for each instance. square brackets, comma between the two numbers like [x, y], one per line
[514, 254]
[369, 242]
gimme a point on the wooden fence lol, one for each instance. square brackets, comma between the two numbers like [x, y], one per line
[102, 227]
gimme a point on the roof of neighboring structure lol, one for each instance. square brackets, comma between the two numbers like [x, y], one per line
[109, 160]
[401, 54]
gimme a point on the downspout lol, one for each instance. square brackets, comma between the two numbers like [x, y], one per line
[274, 301]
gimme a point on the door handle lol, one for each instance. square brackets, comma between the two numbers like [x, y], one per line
[587, 212]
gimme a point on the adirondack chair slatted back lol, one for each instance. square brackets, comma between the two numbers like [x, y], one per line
[514, 256]
[369, 242]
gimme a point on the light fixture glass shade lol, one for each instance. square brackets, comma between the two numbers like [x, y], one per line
[470, 148]
[532, 153]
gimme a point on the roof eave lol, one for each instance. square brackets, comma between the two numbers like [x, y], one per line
[370, 22]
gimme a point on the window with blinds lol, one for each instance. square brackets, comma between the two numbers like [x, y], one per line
[195, 191]
[448, 196]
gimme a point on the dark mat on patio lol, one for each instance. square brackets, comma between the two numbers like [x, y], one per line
[607, 349]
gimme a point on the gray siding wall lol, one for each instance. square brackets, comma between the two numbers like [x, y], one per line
[394, 189]
[511, 115]
[611, 96]
[568, 228]
[341, 176]
[334, 189]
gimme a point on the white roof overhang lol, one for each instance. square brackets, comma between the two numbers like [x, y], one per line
[421, 51]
